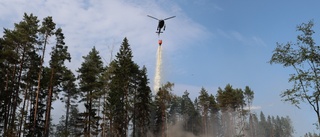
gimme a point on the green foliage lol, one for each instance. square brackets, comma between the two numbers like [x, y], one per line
[59, 55]
[162, 101]
[90, 88]
[270, 127]
[249, 96]
[303, 56]
[70, 130]
[89, 74]
[188, 112]
[142, 105]
[70, 96]
[204, 103]
[312, 135]
[230, 98]
[123, 85]
[20, 63]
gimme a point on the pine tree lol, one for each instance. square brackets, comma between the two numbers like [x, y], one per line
[269, 130]
[162, 101]
[174, 112]
[72, 130]
[254, 127]
[58, 56]
[197, 118]
[123, 85]
[142, 105]
[29, 92]
[39, 101]
[270, 127]
[249, 96]
[262, 124]
[231, 101]
[46, 31]
[90, 89]
[189, 113]
[287, 128]
[15, 46]
[107, 119]
[60, 128]
[204, 103]
[70, 95]
[214, 117]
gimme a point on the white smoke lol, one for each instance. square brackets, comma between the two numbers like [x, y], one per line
[157, 78]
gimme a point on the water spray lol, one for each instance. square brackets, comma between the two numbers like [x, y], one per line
[157, 78]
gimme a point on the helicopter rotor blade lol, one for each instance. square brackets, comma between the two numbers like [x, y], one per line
[152, 17]
[169, 18]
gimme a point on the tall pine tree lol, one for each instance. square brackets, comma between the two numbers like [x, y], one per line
[142, 105]
[59, 55]
[123, 86]
[162, 101]
[15, 46]
[46, 31]
[70, 96]
[90, 90]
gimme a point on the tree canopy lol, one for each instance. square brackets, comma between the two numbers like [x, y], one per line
[303, 57]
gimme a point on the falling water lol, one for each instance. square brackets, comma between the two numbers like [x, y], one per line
[157, 78]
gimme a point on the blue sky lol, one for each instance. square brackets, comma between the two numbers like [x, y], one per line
[209, 44]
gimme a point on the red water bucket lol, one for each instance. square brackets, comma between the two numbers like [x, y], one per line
[160, 42]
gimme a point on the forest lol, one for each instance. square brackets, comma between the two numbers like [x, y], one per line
[116, 97]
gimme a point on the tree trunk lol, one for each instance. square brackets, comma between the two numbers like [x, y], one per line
[104, 119]
[48, 107]
[8, 112]
[38, 87]
[15, 102]
[23, 110]
[27, 109]
[134, 116]
[6, 102]
[67, 112]
[111, 127]
[99, 112]
[164, 122]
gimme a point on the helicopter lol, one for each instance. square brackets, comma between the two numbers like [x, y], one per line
[161, 23]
